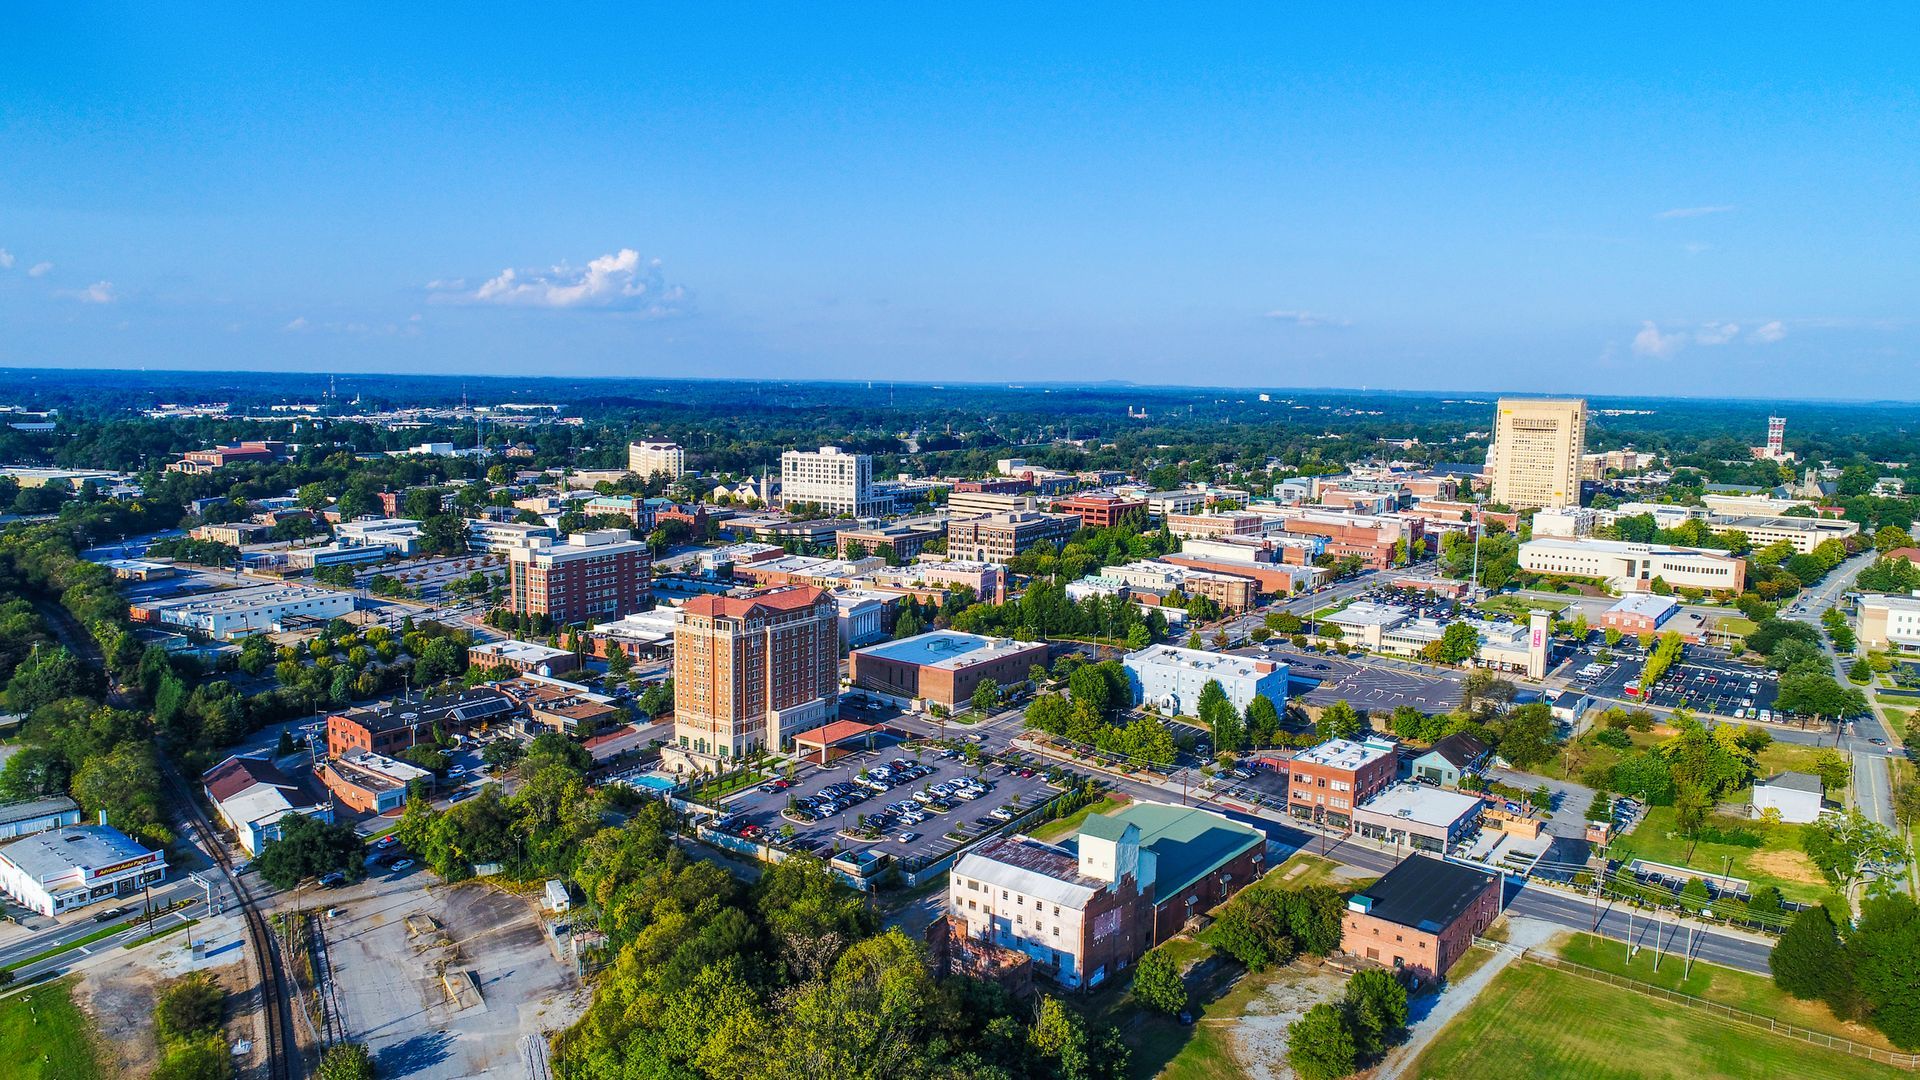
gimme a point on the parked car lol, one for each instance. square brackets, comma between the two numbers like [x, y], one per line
[111, 914]
[333, 880]
[403, 865]
[907, 837]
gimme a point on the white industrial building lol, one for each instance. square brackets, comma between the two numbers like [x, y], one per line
[1890, 621]
[1795, 794]
[67, 868]
[29, 816]
[251, 610]
[501, 537]
[1172, 678]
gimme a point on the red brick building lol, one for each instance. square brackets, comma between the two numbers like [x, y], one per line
[394, 726]
[1421, 917]
[597, 575]
[751, 671]
[1328, 781]
[1101, 510]
[943, 667]
[1085, 914]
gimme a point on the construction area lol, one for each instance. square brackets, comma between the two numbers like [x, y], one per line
[449, 982]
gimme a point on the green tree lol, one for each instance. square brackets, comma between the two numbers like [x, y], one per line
[1338, 721]
[1157, 983]
[1459, 642]
[346, 1061]
[1220, 717]
[1320, 1046]
[1263, 721]
[189, 1008]
[1808, 962]
[1884, 957]
[986, 697]
[1376, 1006]
[308, 847]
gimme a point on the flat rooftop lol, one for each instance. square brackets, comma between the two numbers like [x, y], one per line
[524, 652]
[1421, 804]
[1212, 663]
[1344, 754]
[1368, 613]
[57, 852]
[1649, 605]
[948, 649]
[1424, 893]
[245, 598]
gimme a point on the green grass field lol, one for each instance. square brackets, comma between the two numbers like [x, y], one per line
[1735, 989]
[44, 1036]
[1533, 1021]
[1521, 606]
[1779, 861]
[1067, 826]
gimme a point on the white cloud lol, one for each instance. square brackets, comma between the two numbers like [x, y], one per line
[6, 259]
[100, 292]
[1692, 212]
[1716, 333]
[39, 269]
[298, 324]
[1307, 318]
[1651, 342]
[1768, 333]
[620, 280]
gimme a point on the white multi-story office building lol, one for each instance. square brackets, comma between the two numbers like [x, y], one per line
[654, 457]
[1633, 567]
[1890, 622]
[834, 480]
[1172, 678]
[1537, 446]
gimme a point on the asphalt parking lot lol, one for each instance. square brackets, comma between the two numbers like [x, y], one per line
[1320, 679]
[763, 809]
[1702, 682]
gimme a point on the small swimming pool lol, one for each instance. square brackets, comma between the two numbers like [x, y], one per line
[652, 781]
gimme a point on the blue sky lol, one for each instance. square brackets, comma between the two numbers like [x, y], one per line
[1713, 203]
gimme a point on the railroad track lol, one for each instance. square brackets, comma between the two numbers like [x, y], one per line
[282, 1047]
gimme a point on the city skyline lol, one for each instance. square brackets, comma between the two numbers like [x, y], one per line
[1276, 199]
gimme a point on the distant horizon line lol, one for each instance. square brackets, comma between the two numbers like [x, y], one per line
[1009, 385]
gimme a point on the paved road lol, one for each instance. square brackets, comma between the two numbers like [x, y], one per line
[1536, 901]
[1872, 787]
[77, 926]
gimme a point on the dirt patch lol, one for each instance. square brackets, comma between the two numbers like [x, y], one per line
[120, 1004]
[1258, 1036]
[1786, 865]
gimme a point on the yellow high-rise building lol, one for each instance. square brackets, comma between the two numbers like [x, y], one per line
[1537, 444]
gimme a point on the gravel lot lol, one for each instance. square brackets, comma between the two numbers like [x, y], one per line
[389, 959]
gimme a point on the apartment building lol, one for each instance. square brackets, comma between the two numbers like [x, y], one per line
[1537, 446]
[1232, 591]
[751, 671]
[1327, 782]
[1632, 567]
[1083, 914]
[598, 575]
[834, 480]
[656, 457]
[999, 537]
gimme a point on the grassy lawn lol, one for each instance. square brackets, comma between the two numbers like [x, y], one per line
[1735, 989]
[1778, 861]
[43, 1036]
[1534, 1021]
[1300, 871]
[1786, 757]
[1067, 826]
[1521, 606]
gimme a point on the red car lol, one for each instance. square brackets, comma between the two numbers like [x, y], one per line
[783, 784]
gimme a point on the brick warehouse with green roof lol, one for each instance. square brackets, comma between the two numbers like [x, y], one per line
[1088, 907]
